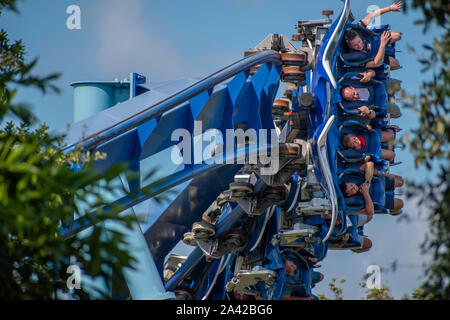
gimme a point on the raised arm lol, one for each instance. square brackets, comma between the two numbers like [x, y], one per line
[367, 76]
[393, 7]
[369, 208]
[368, 168]
[384, 40]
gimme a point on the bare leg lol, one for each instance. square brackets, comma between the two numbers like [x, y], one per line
[388, 155]
[398, 204]
[387, 135]
[395, 36]
[398, 181]
[343, 241]
[368, 169]
[394, 63]
[367, 244]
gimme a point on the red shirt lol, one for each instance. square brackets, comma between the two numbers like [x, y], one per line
[363, 141]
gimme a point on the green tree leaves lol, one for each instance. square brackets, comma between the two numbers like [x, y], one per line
[40, 194]
[429, 143]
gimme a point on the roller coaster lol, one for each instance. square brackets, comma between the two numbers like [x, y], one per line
[254, 161]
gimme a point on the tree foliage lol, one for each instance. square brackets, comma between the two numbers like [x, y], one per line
[40, 193]
[336, 288]
[383, 293]
[429, 143]
[418, 294]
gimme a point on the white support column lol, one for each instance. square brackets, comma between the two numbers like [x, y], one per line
[144, 282]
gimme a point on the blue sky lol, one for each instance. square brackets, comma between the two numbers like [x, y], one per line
[167, 40]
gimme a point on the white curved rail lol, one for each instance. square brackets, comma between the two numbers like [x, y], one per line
[330, 49]
[325, 166]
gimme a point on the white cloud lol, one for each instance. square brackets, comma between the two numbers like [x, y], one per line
[130, 39]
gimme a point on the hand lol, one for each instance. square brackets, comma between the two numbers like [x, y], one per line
[343, 241]
[312, 259]
[367, 159]
[385, 38]
[396, 6]
[364, 188]
[369, 127]
[364, 111]
[366, 76]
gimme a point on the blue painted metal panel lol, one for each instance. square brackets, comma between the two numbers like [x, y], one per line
[115, 114]
[160, 138]
[121, 149]
[156, 107]
[141, 128]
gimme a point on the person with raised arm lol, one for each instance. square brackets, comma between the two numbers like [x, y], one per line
[355, 41]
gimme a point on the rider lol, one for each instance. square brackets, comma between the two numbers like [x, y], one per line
[352, 141]
[355, 42]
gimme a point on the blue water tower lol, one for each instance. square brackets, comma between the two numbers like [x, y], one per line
[91, 97]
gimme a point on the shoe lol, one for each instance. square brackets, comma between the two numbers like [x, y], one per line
[396, 68]
[395, 212]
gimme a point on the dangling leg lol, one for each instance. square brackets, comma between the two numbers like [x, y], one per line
[388, 155]
[387, 135]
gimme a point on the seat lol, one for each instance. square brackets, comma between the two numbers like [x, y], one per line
[377, 191]
[302, 286]
[378, 99]
[372, 137]
[372, 39]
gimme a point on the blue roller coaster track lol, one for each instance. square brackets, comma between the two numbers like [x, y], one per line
[254, 174]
